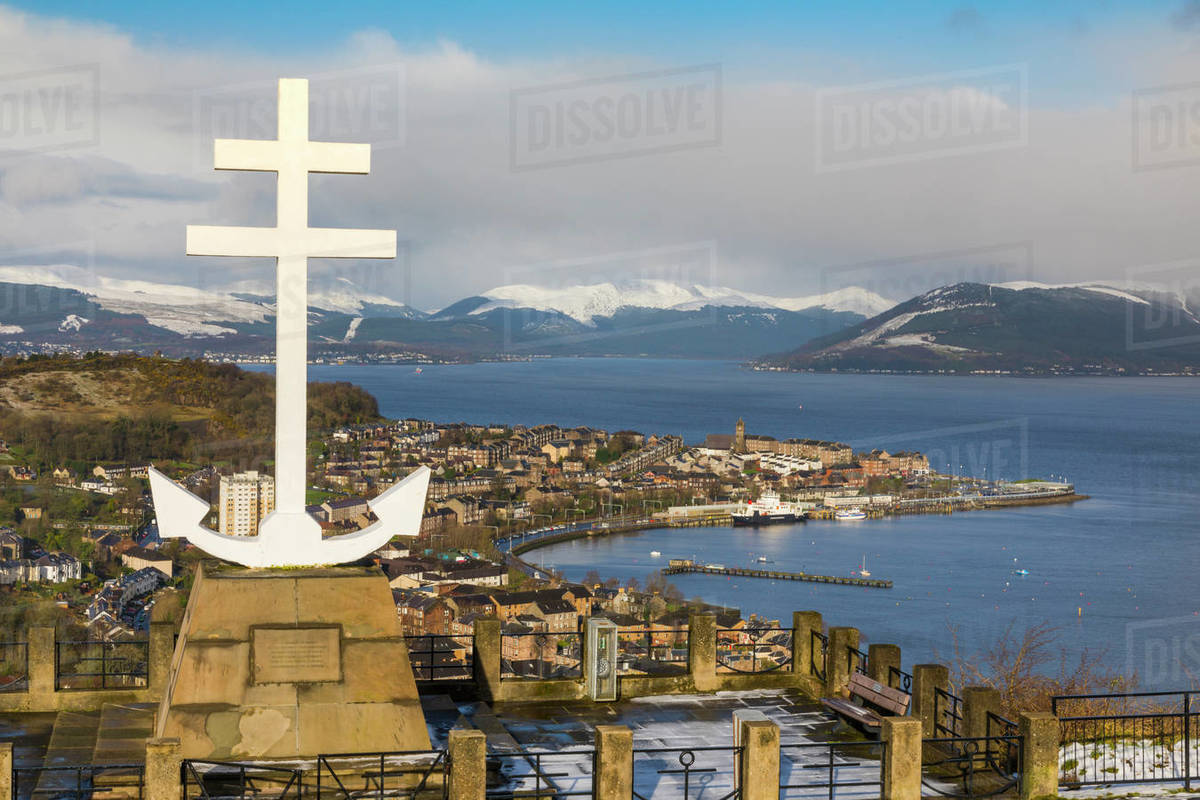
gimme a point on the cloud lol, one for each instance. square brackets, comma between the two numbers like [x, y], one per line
[39, 179]
[1187, 16]
[966, 19]
[442, 169]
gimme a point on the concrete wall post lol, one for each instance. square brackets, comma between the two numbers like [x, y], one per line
[487, 645]
[41, 661]
[6, 770]
[880, 657]
[163, 762]
[977, 702]
[902, 759]
[758, 767]
[614, 763]
[468, 764]
[1039, 755]
[837, 662]
[803, 624]
[162, 649]
[925, 678]
[702, 651]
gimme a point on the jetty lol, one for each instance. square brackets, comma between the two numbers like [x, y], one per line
[687, 566]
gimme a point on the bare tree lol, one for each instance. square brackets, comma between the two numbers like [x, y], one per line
[1030, 666]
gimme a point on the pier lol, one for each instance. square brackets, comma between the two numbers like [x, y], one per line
[681, 567]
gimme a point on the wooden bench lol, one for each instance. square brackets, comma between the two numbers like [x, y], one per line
[875, 699]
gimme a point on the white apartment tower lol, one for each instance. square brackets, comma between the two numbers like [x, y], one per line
[246, 497]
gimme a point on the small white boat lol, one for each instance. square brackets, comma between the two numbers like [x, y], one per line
[655, 554]
[849, 514]
[1020, 572]
[764, 560]
[863, 571]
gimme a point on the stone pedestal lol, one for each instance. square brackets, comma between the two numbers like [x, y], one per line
[291, 662]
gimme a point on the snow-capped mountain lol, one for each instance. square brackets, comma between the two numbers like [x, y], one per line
[184, 310]
[1017, 327]
[188, 310]
[589, 302]
[339, 295]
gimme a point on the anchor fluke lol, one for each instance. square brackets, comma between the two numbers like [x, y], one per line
[280, 544]
[177, 509]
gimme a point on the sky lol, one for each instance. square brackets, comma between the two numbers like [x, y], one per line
[779, 148]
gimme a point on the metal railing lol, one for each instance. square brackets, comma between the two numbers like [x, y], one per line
[818, 653]
[652, 651]
[856, 660]
[834, 766]
[226, 780]
[971, 767]
[441, 657]
[672, 772]
[101, 665]
[397, 773]
[77, 781]
[14, 666]
[947, 713]
[536, 773]
[754, 650]
[541, 655]
[899, 679]
[1134, 737]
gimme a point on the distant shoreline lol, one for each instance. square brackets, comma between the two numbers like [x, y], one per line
[752, 366]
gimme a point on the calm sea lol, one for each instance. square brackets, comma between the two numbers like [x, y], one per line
[1116, 574]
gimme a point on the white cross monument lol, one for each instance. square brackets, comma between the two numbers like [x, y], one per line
[288, 536]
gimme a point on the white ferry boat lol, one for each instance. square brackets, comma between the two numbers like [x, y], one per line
[767, 510]
[849, 514]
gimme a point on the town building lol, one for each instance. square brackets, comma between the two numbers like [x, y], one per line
[245, 498]
[140, 558]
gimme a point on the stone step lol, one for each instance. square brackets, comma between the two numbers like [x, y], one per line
[124, 729]
[71, 744]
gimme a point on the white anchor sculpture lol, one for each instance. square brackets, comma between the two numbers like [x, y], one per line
[288, 536]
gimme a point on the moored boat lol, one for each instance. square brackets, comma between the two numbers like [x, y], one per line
[767, 510]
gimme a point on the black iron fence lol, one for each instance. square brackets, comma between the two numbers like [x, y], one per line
[808, 769]
[947, 713]
[652, 651]
[899, 679]
[533, 774]
[78, 781]
[856, 660]
[101, 665]
[14, 666]
[971, 767]
[1135, 737]
[818, 653]
[438, 657]
[400, 773]
[226, 780]
[541, 655]
[686, 773]
[754, 649]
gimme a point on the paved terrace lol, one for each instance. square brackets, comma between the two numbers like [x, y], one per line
[703, 724]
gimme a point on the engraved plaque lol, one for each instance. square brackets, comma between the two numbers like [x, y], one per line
[296, 655]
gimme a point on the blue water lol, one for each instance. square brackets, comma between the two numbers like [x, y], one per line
[1128, 557]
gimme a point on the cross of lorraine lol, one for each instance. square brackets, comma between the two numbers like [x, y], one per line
[288, 536]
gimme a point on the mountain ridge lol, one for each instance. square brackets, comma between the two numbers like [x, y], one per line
[972, 327]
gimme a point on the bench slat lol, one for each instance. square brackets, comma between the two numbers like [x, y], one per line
[879, 694]
[863, 716]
